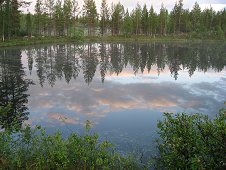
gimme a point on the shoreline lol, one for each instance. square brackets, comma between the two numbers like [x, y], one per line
[55, 39]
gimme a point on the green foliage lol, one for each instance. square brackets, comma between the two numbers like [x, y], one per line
[192, 141]
[14, 124]
[77, 34]
[35, 149]
[220, 33]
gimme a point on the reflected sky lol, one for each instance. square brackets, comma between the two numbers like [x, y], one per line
[125, 106]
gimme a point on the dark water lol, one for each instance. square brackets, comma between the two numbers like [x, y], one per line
[122, 88]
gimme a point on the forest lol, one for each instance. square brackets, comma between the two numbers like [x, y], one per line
[66, 18]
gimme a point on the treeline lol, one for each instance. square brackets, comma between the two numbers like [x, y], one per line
[65, 18]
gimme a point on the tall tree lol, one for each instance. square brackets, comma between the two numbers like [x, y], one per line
[104, 17]
[50, 10]
[117, 18]
[67, 11]
[127, 26]
[176, 16]
[28, 24]
[196, 17]
[136, 15]
[59, 18]
[144, 20]
[38, 15]
[15, 17]
[90, 13]
[163, 20]
[152, 21]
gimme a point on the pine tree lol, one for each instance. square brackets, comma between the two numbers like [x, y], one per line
[28, 24]
[49, 4]
[152, 21]
[90, 13]
[144, 20]
[163, 20]
[196, 17]
[117, 18]
[38, 15]
[104, 17]
[67, 11]
[59, 18]
[15, 18]
[127, 24]
[136, 15]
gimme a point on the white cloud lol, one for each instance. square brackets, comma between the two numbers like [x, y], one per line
[169, 4]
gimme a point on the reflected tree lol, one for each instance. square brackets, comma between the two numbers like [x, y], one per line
[89, 62]
[104, 61]
[68, 60]
[13, 88]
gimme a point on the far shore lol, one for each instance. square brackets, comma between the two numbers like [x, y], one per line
[27, 41]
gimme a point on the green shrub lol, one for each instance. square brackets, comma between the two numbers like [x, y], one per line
[77, 34]
[219, 33]
[192, 141]
[32, 148]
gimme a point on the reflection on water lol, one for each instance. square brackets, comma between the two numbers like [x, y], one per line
[13, 88]
[57, 61]
[122, 88]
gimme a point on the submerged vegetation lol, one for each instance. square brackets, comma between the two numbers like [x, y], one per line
[186, 142]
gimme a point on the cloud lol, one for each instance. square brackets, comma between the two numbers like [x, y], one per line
[78, 103]
[169, 4]
[62, 118]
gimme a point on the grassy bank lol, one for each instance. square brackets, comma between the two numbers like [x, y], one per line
[36, 41]
[49, 40]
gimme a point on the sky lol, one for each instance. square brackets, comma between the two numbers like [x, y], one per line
[169, 4]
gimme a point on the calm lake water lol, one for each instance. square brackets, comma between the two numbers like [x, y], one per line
[122, 88]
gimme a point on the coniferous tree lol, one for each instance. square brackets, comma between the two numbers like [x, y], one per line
[59, 18]
[195, 15]
[152, 21]
[38, 16]
[104, 17]
[67, 11]
[144, 20]
[117, 18]
[127, 26]
[136, 15]
[163, 20]
[29, 24]
[50, 10]
[90, 13]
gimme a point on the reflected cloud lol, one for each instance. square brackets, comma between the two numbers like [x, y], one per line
[82, 81]
[62, 118]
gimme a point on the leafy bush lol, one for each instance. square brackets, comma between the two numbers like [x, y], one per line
[32, 148]
[192, 141]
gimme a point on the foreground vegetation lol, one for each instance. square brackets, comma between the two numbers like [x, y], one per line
[32, 148]
[186, 142]
[192, 141]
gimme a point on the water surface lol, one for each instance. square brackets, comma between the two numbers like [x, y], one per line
[122, 88]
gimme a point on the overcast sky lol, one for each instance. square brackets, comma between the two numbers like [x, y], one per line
[169, 4]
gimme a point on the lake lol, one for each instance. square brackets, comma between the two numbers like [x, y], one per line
[121, 88]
